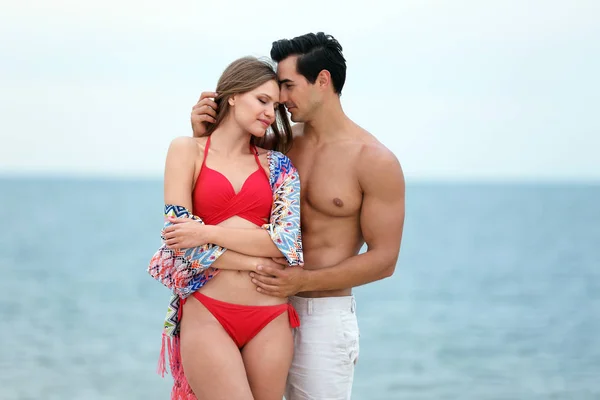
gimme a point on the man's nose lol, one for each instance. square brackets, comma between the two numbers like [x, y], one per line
[283, 98]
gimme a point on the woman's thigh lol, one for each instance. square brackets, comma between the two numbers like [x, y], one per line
[268, 357]
[212, 362]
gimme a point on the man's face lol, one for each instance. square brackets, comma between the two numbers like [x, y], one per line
[297, 93]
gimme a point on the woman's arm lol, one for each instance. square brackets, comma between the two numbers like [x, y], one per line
[283, 234]
[178, 185]
[179, 172]
[179, 182]
[251, 241]
[273, 239]
[232, 260]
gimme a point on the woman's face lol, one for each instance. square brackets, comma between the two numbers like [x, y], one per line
[254, 111]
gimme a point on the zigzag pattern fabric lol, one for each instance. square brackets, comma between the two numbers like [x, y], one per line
[284, 224]
[184, 271]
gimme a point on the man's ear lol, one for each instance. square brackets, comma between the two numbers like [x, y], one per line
[324, 79]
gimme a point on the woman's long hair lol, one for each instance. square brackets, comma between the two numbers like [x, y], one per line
[242, 76]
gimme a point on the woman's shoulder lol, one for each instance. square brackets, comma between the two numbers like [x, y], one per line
[261, 151]
[186, 145]
[271, 154]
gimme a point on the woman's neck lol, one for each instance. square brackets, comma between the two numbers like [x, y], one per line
[229, 139]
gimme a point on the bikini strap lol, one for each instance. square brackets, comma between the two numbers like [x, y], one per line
[255, 150]
[206, 146]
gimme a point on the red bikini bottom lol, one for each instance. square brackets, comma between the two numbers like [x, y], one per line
[242, 322]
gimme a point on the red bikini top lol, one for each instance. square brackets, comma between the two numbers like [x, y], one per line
[214, 199]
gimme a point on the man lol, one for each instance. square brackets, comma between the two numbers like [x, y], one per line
[352, 193]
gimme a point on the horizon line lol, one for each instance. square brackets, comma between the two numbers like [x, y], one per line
[426, 179]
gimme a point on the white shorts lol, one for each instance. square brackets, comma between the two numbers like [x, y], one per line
[325, 349]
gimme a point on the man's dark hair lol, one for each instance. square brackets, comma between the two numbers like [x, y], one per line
[315, 52]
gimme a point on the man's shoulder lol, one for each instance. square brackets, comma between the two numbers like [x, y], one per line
[369, 148]
[376, 162]
[372, 150]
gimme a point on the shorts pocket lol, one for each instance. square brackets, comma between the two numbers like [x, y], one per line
[351, 336]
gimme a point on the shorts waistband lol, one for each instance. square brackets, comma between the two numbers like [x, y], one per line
[315, 305]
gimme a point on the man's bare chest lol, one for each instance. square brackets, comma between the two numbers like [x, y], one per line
[328, 183]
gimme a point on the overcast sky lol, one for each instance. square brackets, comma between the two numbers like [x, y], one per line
[456, 89]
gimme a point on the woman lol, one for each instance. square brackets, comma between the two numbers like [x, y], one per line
[234, 342]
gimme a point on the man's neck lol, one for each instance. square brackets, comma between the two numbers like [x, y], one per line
[328, 123]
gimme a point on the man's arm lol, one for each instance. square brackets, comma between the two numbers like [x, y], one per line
[203, 113]
[382, 223]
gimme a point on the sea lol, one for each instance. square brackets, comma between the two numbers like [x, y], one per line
[495, 296]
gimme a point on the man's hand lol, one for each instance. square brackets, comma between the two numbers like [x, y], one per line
[275, 263]
[279, 282]
[205, 111]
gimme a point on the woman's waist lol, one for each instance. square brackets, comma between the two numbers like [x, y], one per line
[237, 288]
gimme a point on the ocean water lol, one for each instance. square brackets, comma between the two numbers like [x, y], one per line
[496, 294]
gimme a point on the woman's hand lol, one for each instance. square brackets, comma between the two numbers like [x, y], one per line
[184, 233]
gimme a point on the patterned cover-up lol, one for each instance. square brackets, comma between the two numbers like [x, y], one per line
[187, 270]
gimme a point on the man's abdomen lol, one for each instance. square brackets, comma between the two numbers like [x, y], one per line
[327, 246]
